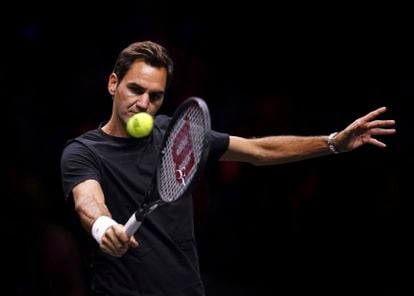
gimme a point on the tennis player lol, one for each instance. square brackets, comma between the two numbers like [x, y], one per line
[106, 174]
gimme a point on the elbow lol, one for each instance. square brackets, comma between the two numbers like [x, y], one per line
[259, 159]
[265, 158]
[261, 162]
[78, 209]
[257, 162]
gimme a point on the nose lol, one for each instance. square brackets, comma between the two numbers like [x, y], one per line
[143, 102]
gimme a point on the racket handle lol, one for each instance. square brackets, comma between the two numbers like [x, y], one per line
[136, 219]
[132, 225]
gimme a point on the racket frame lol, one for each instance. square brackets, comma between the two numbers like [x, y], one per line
[138, 217]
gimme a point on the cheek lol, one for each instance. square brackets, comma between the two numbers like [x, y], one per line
[122, 105]
[124, 101]
[153, 108]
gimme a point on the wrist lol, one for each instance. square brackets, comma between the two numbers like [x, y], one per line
[331, 144]
[100, 226]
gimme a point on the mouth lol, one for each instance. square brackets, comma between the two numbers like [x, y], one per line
[132, 113]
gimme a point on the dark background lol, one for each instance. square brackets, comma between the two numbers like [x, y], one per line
[333, 225]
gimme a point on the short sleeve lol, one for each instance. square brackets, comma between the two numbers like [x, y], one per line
[78, 163]
[219, 144]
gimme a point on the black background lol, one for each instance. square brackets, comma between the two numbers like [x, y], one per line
[337, 224]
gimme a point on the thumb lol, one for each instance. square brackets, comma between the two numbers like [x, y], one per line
[133, 242]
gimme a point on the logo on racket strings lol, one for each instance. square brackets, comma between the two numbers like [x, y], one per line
[182, 150]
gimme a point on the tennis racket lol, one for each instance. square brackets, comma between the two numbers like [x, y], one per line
[183, 154]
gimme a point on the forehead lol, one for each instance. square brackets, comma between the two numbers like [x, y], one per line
[141, 71]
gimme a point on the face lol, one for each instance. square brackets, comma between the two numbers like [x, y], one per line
[141, 90]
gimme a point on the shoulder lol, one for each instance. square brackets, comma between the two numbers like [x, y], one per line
[162, 121]
[219, 143]
[85, 139]
[81, 144]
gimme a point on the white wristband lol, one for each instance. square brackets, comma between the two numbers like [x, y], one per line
[331, 144]
[100, 226]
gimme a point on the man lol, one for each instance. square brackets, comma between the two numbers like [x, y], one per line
[107, 173]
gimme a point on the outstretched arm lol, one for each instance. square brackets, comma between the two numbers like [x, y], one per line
[283, 149]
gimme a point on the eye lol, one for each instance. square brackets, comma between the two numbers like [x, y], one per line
[156, 96]
[136, 89]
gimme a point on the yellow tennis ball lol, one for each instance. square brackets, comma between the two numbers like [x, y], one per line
[140, 125]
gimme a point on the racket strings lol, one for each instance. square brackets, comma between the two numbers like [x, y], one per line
[182, 153]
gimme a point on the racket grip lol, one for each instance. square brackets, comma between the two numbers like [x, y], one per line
[132, 225]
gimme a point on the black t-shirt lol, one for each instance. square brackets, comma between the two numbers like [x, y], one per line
[166, 262]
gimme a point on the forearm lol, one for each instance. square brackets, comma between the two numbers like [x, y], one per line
[89, 210]
[283, 149]
[89, 203]
[276, 149]
[95, 218]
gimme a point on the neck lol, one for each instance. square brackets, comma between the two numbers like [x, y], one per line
[115, 129]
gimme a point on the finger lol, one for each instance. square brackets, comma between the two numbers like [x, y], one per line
[120, 233]
[114, 240]
[113, 250]
[381, 123]
[107, 247]
[129, 240]
[383, 131]
[373, 114]
[377, 143]
[110, 250]
[133, 242]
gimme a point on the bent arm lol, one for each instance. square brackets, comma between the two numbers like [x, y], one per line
[275, 149]
[89, 202]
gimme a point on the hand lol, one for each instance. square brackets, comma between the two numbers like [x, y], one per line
[116, 242]
[363, 130]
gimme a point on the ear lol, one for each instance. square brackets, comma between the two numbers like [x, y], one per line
[112, 83]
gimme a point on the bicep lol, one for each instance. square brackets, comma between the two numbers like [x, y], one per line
[241, 149]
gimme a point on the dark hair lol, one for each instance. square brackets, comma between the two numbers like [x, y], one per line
[150, 52]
